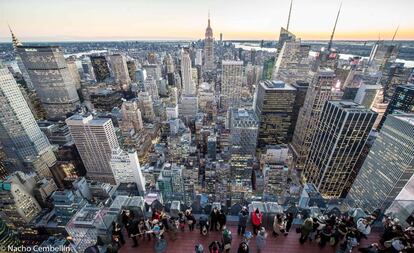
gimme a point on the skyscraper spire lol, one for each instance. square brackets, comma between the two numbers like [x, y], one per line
[290, 11]
[395, 33]
[15, 41]
[208, 18]
[333, 31]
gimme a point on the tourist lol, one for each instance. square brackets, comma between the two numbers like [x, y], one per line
[191, 220]
[306, 230]
[214, 217]
[243, 216]
[279, 225]
[257, 217]
[215, 247]
[289, 221]
[261, 240]
[222, 219]
[226, 239]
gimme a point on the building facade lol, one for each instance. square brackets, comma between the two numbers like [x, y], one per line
[338, 141]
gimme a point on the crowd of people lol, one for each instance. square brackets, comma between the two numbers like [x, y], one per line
[342, 232]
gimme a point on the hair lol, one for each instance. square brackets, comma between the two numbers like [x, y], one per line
[257, 210]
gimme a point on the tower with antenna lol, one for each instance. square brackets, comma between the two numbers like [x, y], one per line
[285, 34]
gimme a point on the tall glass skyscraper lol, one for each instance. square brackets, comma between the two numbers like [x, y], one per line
[388, 166]
[51, 78]
[338, 140]
[24, 143]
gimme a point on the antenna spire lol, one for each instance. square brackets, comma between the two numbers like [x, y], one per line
[395, 33]
[290, 11]
[208, 17]
[333, 31]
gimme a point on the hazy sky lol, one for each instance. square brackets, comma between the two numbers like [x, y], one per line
[54, 20]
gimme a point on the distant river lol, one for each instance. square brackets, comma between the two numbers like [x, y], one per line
[245, 46]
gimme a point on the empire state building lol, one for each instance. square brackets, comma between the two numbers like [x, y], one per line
[209, 48]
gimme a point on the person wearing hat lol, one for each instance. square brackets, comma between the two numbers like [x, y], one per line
[261, 240]
[226, 239]
[243, 216]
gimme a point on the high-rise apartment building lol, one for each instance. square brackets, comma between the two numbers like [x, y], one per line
[322, 88]
[51, 79]
[231, 83]
[95, 139]
[100, 67]
[388, 166]
[126, 168]
[209, 48]
[23, 142]
[119, 68]
[339, 138]
[274, 108]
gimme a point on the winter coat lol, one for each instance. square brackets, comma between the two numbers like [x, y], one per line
[243, 216]
[257, 219]
[307, 227]
[260, 241]
[278, 226]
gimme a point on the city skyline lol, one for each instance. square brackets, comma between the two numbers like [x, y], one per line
[158, 20]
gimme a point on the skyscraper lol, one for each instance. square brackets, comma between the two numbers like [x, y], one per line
[131, 117]
[100, 67]
[73, 70]
[95, 139]
[338, 140]
[301, 91]
[150, 86]
[321, 89]
[388, 166]
[402, 100]
[243, 124]
[126, 168]
[23, 142]
[17, 205]
[209, 48]
[292, 63]
[119, 68]
[186, 74]
[146, 107]
[231, 83]
[367, 95]
[51, 79]
[274, 108]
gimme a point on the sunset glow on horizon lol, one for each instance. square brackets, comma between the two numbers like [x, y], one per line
[78, 20]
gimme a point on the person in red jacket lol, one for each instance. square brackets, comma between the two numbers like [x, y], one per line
[257, 217]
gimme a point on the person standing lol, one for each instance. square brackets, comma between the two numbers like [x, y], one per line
[191, 220]
[279, 225]
[261, 240]
[257, 217]
[243, 216]
[199, 248]
[226, 239]
[222, 219]
[134, 231]
[289, 221]
[243, 248]
[305, 230]
[214, 216]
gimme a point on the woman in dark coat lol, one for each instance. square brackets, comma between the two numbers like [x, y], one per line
[222, 219]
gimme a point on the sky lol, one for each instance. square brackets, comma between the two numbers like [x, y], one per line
[79, 20]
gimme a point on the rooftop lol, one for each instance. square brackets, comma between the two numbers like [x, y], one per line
[187, 240]
[276, 85]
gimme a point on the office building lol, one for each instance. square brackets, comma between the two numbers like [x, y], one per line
[100, 67]
[209, 48]
[322, 88]
[402, 100]
[367, 95]
[119, 69]
[274, 108]
[51, 78]
[153, 70]
[105, 99]
[292, 63]
[131, 117]
[146, 107]
[189, 88]
[95, 139]
[126, 168]
[388, 166]
[18, 206]
[231, 83]
[150, 86]
[339, 138]
[23, 142]
[244, 125]
[73, 70]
